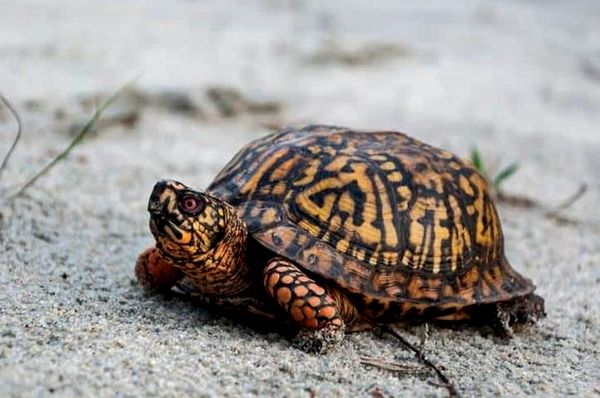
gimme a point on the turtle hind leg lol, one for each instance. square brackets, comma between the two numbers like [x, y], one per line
[516, 313]
[526, 310]
[154, 272]
[308, 304]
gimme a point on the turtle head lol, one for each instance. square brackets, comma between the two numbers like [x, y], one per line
[185, 223]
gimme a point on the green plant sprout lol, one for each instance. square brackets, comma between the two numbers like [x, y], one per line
[495, 179]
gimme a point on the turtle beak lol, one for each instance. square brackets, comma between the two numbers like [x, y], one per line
[158, 208]
[162, 207]
[160, 226]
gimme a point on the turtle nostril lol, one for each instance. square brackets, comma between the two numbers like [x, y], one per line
[154, 203]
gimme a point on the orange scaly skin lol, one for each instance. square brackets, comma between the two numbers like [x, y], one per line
[154, 272]
[307, 303]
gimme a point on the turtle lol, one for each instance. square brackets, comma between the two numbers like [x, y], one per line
[334, 230]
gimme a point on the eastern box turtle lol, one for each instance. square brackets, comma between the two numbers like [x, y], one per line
[337, 230]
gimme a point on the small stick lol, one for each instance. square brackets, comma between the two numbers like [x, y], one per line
[421, 357]
[76, 140]
[14, 112]
[517, 200]
[555, 213]
[391, 366]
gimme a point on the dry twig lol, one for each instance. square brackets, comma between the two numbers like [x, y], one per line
[555, 213]
[392, 366]
[421, 357]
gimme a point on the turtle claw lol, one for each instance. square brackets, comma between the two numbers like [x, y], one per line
[319, 341]
[501, 323]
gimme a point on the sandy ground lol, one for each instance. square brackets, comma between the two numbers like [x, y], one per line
[519, 79]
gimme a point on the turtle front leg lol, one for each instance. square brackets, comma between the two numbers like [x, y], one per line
[308, 304]
[154, 272]
[157, 274]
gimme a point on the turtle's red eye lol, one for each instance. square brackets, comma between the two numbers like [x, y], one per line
[190, 203]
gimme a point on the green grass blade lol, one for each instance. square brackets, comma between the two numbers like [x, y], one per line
[76, 140]
[505, 174]
[477, 161]
[15, 114]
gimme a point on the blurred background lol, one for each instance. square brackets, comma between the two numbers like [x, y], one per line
[517, 80]
[455, 74]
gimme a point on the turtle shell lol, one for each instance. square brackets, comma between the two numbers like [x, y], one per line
[380, 214]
